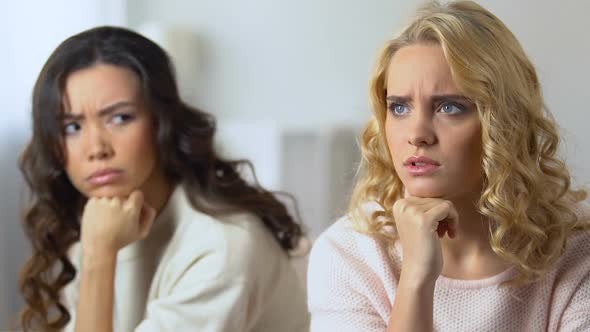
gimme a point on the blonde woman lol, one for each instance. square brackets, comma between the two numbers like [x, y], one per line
[462, 218]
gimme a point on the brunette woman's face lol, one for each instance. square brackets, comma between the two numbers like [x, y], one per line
[108, 134]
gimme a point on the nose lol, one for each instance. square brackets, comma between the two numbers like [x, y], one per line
[421, 129]
[98, 146]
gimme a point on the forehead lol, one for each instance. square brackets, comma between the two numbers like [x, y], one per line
[420, 67]
[98, 86]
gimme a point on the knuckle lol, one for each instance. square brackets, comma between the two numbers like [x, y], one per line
[412, 209]
[421, 219]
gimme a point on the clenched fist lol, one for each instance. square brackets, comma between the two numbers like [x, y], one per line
[109, 224]
[420, 223]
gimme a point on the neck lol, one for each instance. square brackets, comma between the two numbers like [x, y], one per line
[469, 255]
[473, 228]
[157, 190]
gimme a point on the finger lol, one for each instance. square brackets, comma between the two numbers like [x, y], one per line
[148, 213]
[91, 201]
[134, 202]
[453, 219]
[424, 204]
[444, 227]
[441, 229]
[443, 211]
[113, 201]
[406, 193]
[452, 232]
[414, 205]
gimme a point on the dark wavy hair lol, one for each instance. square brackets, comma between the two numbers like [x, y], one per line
[185, 147]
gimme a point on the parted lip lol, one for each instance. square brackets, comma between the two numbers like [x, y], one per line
[420, 159]
[103, 172]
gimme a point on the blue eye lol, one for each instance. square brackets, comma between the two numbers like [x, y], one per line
[451, 109]
[398, 109]
[71, 128]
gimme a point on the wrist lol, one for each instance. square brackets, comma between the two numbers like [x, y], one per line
[92, 255]
[416, 281]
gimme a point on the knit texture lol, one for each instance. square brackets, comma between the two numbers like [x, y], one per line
[352, 285]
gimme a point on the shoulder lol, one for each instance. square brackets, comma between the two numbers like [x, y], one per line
[582, 210]
[577, 250]
[576, 258]
[344, 261]
[572, 282]
[572, 271]
[344, 241]
[236, 245]
[341, 238]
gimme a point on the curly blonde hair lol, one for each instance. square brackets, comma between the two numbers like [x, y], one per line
[526, 192]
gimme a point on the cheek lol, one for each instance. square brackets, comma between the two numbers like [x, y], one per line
[394, 140]
[72, 159]
[467, 148]
[144, 145]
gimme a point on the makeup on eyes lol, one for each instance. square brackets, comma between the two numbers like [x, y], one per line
[461, 103]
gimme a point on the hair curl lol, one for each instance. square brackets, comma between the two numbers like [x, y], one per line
[526, 188]
[185, 148]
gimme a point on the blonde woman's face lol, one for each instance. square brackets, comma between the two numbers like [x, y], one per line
[433, 131]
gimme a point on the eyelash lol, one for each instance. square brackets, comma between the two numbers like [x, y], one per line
[125, 118]
[65, 128]
[461, 108]
[392, 108]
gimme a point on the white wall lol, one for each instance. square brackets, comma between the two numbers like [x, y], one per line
[297, 61]
[30, 31]
[308, 61]
[555, 36]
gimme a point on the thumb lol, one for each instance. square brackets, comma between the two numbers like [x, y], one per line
[406, 193]
[134, 202]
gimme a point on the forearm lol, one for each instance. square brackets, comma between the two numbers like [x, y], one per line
[412, 309]
[95, 308]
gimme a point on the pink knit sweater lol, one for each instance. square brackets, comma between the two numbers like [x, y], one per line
[352, 285]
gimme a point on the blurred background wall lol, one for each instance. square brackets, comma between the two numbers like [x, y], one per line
[286, 79]
[30, 31]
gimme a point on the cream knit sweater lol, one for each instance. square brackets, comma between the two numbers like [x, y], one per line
[199, 273]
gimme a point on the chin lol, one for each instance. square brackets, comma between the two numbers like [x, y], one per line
[108, 192]
[427, 190]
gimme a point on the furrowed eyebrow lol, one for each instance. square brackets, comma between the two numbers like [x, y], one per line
[112, 108]
[398, 99]
[440, 98]
[435, 98]
[70, 117]
[102, 113]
